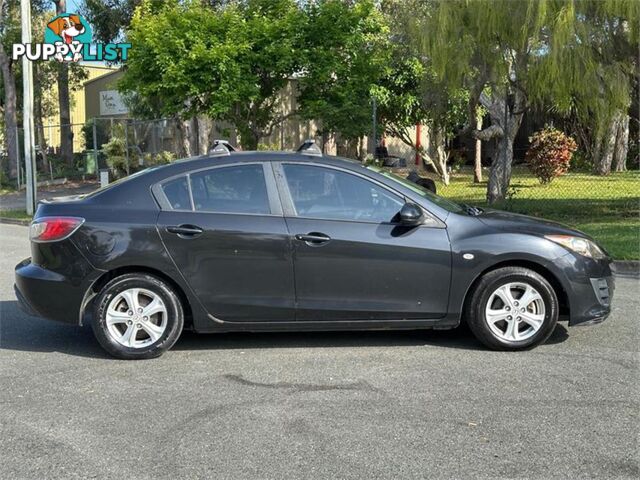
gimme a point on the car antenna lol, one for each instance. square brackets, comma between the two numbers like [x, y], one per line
[309, 147]
[221, 147]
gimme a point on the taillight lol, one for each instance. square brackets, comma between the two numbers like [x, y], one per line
[51, 229]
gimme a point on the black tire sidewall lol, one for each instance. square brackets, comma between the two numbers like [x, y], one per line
[175, 318]
[490, 284]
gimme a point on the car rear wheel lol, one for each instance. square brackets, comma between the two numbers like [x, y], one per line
[512, 308]
[137, 316]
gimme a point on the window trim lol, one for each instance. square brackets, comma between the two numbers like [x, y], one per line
[289, 206]
[270, 183]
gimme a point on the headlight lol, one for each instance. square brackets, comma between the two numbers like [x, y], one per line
[579, 245]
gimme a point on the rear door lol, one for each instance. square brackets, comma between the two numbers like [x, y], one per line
[224, 229]
[352, 260]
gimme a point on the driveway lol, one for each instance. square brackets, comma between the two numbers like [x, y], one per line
[317, 405]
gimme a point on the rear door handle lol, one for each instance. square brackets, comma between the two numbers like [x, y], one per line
[313, 238]
[185, 230]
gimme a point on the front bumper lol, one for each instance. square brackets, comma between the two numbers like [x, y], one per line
[589, 285]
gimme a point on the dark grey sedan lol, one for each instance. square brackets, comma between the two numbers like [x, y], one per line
[257, 241]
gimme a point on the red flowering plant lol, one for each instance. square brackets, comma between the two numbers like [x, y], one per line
[550, 153]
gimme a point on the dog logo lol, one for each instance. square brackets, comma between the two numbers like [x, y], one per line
[69, 29]
[67, 38]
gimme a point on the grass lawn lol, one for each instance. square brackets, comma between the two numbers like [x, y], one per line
[15, 214]
[607, 208]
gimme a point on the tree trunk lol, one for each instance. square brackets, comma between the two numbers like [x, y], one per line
[477, 162]
[438, 154]
[500, 174]
[622, 145]
[41, 139]
[66, 134]
[10, 113]
[184, 145]
[204, 132]
[194, 136]
[606, 147]
[347, 148]
[249, 140]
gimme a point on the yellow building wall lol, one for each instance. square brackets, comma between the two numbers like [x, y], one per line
[77, 97]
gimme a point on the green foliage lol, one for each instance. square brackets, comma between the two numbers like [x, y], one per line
[576, 56]
[580, 162]
[268, 147]
[116, 152]
[102, 134]
[227, 62]
[549, 154]
[346, 54]
[160, 158]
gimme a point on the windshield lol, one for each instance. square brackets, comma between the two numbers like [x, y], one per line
[423, 192]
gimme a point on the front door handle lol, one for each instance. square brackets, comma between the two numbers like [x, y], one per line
[313, 238]
[185, 230]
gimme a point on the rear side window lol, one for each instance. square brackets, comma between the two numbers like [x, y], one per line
[177, 192]
[237, 189]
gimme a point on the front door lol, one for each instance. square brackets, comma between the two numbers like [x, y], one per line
[352, 261]
[226, 233]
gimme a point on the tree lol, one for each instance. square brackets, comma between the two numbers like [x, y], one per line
[409, 95]
[346, 54]
[110, 18]
[9, 33]
[511, 55]
[227, 63]
[66, 134]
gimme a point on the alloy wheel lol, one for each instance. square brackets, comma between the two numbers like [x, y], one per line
[515, 312]
[136, 317]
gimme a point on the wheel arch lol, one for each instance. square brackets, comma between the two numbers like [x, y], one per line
[563, 298]
[106, 277]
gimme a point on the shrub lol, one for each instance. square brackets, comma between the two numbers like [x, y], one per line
[549, 154]
[115, 150]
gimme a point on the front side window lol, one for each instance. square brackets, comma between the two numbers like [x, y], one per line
[326, 193]
[236, 189]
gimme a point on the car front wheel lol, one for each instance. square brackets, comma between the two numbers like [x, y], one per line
[512, 308]
[137, 316]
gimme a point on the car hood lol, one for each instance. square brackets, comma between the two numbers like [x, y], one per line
[514, 222]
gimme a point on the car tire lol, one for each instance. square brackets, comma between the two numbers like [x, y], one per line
[132, 335]
[498, 317]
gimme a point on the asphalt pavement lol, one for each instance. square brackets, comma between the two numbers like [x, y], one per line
[317, 405]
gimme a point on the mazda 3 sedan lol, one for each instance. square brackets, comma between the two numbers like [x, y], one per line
[257, 241]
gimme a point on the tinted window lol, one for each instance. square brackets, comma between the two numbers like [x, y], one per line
[423, 192]
[319, 192]
[237, 189]
[177, 192]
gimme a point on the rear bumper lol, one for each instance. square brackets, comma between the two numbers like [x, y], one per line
[589, 285]
[50, 294]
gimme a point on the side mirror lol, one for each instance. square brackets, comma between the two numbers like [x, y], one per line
[411, 215]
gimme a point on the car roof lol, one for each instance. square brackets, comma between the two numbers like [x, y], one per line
[268, 156]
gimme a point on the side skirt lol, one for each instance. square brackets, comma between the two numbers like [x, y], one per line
[446, 323]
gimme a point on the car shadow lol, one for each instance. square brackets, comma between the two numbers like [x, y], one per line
[21, 332]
